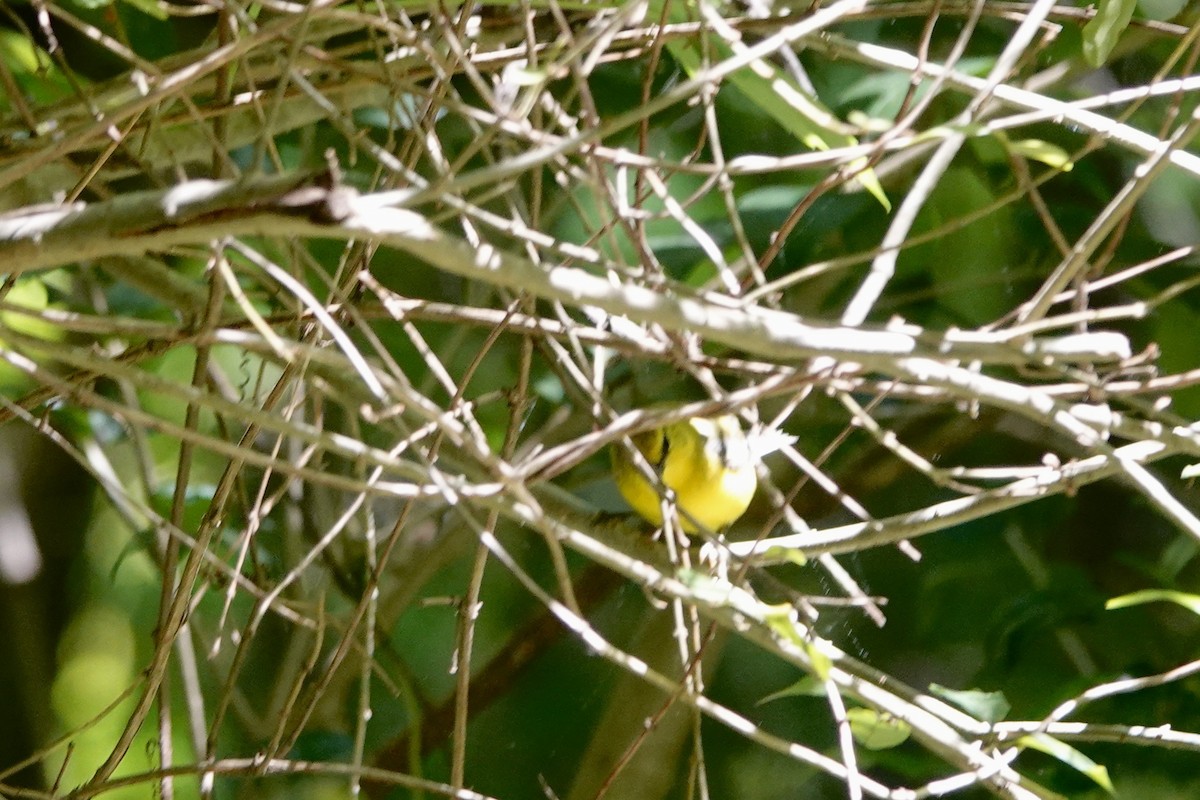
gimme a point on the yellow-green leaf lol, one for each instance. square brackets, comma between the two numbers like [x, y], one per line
[793, 554]
[875, 730]
[1049, 154]
[22, 306]
[1189, 601]
[1100, 35]
[1068, 755]
[821, 662]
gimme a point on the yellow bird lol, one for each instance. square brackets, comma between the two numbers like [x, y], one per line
[707, 462]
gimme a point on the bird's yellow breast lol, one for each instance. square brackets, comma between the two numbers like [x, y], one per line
[707, 463]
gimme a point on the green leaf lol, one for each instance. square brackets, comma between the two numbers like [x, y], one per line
[970, 264]
[1101, 34]
[875, 730]
[1068, 755]
[19, 53]
[1160, 10]
[1189, 601]
[808, 686]
[151, 8]
[142, 541]
[1173, 325]
[986, 706]
[701, 273]
[21, 306]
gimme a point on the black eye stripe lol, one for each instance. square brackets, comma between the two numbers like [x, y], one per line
[666, 449]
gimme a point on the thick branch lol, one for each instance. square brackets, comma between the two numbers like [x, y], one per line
[202, 211]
